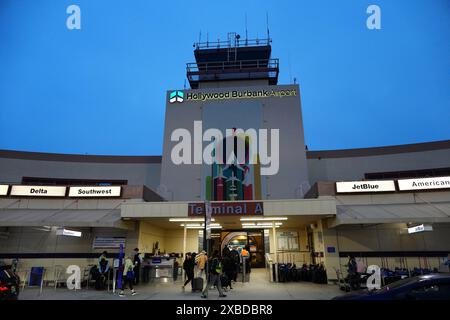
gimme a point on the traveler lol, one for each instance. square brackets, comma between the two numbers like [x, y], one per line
[229, 268]
[215, 270]
[200, 260]
[236, 260]
[188, 266]
[353, 276]
[128, 277]
[137, 260]
[246, 258]
[103, 270]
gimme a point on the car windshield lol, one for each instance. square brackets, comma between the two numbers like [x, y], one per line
[396, 284]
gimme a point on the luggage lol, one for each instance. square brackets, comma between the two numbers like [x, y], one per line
[197, 284]
[224, 281]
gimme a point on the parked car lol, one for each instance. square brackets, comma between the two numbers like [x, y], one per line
[9, 283]
[425, 287]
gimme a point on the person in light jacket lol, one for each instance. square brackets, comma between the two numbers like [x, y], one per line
[201, 259]
[128, 277]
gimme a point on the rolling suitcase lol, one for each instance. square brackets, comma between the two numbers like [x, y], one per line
[197, 284]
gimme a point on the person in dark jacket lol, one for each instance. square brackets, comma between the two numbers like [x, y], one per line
[188, 266]
[137, 265]
[229, 268]
[353, 276]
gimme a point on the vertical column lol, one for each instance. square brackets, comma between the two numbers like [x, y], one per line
[275, 246]
[184, 249]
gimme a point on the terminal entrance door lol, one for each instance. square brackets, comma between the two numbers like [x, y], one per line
[254, 239]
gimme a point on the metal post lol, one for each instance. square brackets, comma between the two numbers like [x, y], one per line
[244, 260]
[207, 231]
[275, 251]
[183, 274]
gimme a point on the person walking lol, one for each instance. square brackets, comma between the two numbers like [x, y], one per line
[215, 270]
[137, 266]
[128, 277]
[103, 269]
[188, 266]
[200, 260]
[353, 276]
[228, 269]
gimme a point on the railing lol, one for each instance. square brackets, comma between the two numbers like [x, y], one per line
[232, 66]
[232, 43]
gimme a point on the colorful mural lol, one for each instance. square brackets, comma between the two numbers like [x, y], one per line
[235, 181]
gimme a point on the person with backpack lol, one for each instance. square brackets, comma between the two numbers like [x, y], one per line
[128, 277]
[103, 269]
[215, 270]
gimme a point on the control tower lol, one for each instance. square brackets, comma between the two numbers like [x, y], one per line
[234, 86]
[232, 60]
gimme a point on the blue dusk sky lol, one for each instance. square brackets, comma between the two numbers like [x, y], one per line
[101, 89]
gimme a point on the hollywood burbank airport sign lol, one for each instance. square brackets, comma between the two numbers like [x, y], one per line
[228, 208]
[200, 96]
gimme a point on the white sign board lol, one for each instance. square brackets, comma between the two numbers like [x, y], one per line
[4, 189]
[67, 232]
[108, 242]
[287, 241]
[424, 183]
[38, 191]
[365, 186]
[95, 191]
[420, 228]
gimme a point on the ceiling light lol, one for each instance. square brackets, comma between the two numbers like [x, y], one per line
[264, 219]
[188, 219]
[258, 227]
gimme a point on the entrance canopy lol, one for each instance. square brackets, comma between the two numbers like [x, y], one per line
[393, 213]
[62, 218]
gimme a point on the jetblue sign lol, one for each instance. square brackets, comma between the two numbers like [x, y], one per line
[365, 186]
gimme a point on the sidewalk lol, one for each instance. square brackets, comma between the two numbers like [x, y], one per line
[258, 288]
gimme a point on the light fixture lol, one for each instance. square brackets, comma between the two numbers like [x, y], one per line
[188, 219]
[264, 219]
[67, 232]
[259, 227]
[267, 224]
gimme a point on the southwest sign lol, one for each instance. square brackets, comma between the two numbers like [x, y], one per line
[90, 192]
[227, 208]
[424, 183]
[365, 186]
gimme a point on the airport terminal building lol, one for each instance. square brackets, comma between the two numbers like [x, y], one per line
[388, 205]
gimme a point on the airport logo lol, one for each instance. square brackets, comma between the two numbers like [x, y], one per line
[176, 96]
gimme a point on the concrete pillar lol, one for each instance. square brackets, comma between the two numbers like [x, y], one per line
[275, 246]
[184, 249]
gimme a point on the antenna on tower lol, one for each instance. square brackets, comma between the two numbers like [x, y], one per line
[246, 32]
[200, 37]
[267, 24]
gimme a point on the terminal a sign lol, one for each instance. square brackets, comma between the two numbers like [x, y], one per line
[424, 183]
[201, 96]
[365, 186]
[38, 191]
[87, 192]
[227, 208]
